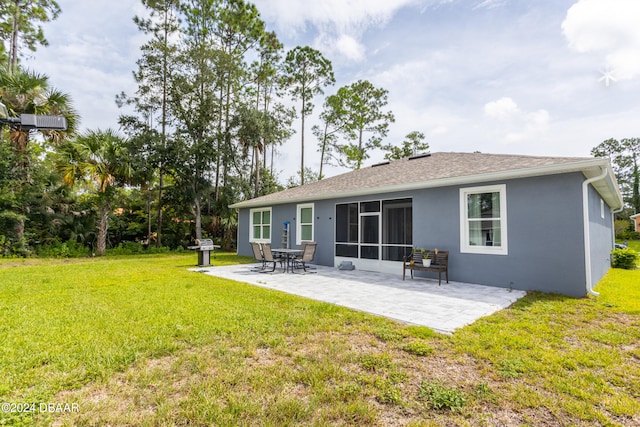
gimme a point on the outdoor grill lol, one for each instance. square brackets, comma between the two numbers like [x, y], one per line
[204, 248]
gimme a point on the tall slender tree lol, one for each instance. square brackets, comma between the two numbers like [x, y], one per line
[306, 73]
[333, 123]
[155, 67]
[264, 72]
[19, 25]
[238, 31]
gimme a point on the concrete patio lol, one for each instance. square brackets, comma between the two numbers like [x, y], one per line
[420, 301]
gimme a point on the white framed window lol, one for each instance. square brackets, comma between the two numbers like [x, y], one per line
[260, 225]
[304, 223]
[483, 220]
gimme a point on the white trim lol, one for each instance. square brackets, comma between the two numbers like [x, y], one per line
[299, 223]
[465, 247]
[601, 208]
[261, 240]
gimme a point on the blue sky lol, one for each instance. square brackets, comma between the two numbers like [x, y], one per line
[545, 77]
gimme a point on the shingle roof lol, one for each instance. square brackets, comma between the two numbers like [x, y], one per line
[434, 170]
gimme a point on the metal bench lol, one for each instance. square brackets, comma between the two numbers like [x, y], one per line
[433, 260]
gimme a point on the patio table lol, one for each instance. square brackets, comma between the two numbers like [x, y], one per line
[289, 254]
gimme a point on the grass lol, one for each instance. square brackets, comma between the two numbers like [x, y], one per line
[143, 341]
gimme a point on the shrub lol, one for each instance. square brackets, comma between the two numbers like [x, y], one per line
[622, 227]
[441, 397]
[57, 249]
[624, 258]
[135, 248]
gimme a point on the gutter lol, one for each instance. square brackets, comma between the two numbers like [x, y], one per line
[587, 236]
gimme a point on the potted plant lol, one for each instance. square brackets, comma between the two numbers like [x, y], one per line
[426, 260]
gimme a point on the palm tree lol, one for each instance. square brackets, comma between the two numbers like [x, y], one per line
[26, 92]
[99, 158]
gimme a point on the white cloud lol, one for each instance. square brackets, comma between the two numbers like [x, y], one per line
[516, 125]
[344, 45]
[501, 109]
[489, 4]
[609, 28]
[340, 23]
[344, 15]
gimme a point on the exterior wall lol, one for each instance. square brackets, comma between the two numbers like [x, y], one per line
[545, 233]
[601, 235]
[636, 223]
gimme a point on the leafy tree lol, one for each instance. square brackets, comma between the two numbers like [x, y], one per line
[207, 93]
[19, 27]
[195, 105]
[251, 127]
[307, 71]
[360, 107]
[309, 177]
[625, 158]
[100, 159]
[412, 145]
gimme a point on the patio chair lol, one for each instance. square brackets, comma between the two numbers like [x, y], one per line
[304, 245]
[308, 253]
[268, 258]
[258, 255]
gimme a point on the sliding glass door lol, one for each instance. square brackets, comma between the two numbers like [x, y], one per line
[397, 229]
[374, 230]
[370, 230]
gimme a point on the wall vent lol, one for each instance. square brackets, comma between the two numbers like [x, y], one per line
[420, 156]
[380, 164]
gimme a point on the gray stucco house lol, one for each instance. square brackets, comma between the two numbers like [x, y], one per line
[514, 221]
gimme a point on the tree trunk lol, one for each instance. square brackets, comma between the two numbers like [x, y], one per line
[148, 215]
[257, 161]
[13, 49]
[103, 228]
[197, 211]
[324, 145]
[302, 148]
[159, 229]
[636, 187]
[360, 151]
[19, 229]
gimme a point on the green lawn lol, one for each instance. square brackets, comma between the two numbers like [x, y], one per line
[142, 341]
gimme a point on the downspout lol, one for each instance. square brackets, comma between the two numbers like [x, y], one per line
[587, 236]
